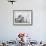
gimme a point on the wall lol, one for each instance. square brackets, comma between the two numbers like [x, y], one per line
[37, 31]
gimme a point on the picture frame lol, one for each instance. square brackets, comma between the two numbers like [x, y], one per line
[22, 17]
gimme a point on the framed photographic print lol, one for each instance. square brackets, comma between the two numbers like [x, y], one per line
[22, 17]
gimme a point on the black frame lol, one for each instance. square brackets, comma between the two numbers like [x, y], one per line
[24, 24]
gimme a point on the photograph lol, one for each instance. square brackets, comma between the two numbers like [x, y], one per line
[22, 22]
[22, 17]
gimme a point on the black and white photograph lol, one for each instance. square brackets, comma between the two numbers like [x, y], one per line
[22, 16]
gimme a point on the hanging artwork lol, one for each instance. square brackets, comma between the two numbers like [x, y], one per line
[22, 17]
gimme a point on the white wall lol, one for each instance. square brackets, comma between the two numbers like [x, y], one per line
[38, 30]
